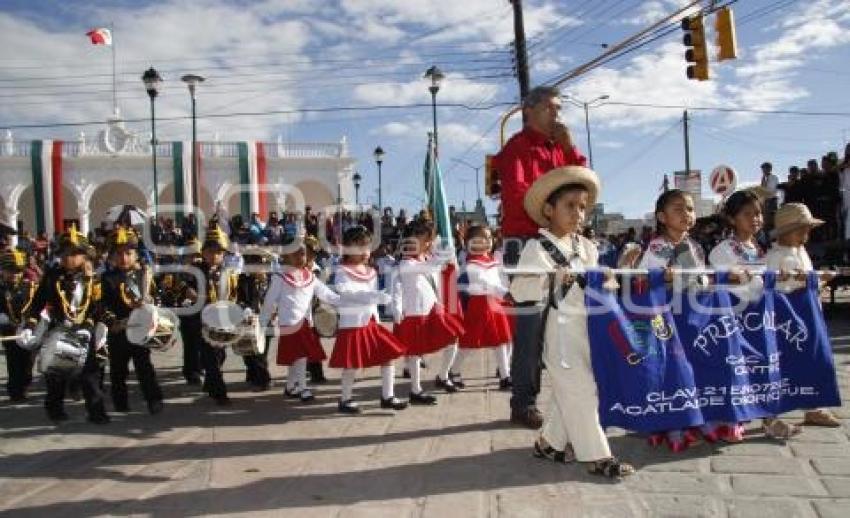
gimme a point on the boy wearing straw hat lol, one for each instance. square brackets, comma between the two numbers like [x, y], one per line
[558, 202]
[788, 255]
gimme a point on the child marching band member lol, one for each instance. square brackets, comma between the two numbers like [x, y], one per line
[180, 290]
[71, 296]
[17, 294]
[291, 293]
[221, 285]
[558, 202]
[423, 325]
[672, 247]
[314, 369]
[361, 341]
[126, 287]
[487, 324]
[738, 253]
[253, 283]
[792, 224]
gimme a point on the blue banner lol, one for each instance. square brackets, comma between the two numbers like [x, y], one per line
[657, 369]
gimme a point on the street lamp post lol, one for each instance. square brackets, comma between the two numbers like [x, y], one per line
[379, 159]
[436, 76]
[356, 179]
[477, 182]
[191, 81]
[586, 106]
[152, 81]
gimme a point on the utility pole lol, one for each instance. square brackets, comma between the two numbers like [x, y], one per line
[687, 146]
[519, 48]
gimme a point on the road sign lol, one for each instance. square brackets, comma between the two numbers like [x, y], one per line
[723, 180]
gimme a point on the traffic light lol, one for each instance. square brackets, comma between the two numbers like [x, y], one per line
[724, 25]
[492, 180]
[697, 52]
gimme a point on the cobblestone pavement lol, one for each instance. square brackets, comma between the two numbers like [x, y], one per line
[268, 456]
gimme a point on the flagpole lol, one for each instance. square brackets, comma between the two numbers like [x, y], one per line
[114, 81]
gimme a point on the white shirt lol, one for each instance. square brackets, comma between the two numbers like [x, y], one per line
[532, 288]
[485, 276]
[771, 183]
[661, 253]
[416, 287]
[731, 253]
[291, 294]
[789, 258]
[349, 280]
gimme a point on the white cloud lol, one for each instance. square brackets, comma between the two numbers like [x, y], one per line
[653, 11]
[455, 89]
[452, 135]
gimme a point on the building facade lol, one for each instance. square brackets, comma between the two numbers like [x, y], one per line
[48, 184]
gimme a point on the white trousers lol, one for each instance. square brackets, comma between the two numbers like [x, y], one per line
[573, 416]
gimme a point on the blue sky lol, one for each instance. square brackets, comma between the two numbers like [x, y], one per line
[261, 56]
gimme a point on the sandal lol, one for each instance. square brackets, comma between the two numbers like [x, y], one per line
[611, 467]
[547, 452]
[820, 417]
[779, 429]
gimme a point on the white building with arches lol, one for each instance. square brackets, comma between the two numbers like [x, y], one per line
[47, 184]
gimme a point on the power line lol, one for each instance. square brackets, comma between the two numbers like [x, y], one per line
[270, 112]
[737, 109]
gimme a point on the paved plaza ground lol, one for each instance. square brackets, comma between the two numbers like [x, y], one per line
[268, 456]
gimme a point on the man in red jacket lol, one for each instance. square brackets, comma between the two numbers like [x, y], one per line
[543, 144]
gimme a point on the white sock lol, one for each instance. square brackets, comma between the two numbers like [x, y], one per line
[460, 359]
[449, 354]
[387, 381]
[415, 381]
[347, 383]
[501, 354]
[300, 367]
[292, 376]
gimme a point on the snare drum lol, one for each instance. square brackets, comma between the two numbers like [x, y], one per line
[221, 323]
[325, 320]
[63, 352]
[253, 339]
[153, 327]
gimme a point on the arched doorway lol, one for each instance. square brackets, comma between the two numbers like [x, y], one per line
[27, 217]
[114, 193]
[166, 197]
[316, 194]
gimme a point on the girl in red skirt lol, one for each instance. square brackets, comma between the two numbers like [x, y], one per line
[291, 293]
[422, 323]
[361, 341]
[487, 324]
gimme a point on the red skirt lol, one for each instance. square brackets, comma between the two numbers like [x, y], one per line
[299, 341]
[367, 346]
[426, 334]
[487, 323]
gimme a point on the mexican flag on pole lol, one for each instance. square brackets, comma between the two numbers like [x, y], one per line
[436, 192]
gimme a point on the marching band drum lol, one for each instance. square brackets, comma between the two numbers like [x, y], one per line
[153, 327]
[221, 323]
[63, 352]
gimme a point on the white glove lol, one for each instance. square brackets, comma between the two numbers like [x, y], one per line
[247, 314]
[384, 298]
[4, 319]
[84, 335]
[25, 338]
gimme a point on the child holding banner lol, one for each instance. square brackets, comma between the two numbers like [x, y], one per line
[739, 253]
[558, 202]
[793, 222]
[673, 247]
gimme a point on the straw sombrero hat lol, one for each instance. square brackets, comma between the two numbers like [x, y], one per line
[544, 186]
[793, 216]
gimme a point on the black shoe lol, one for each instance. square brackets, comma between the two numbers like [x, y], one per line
[75, 393]
[193, 381]
[348, 407]
[306, 396]
[222, 401]
[422, 364]
[155, 407]
[423, 398]
[99, 419]
[291, 394]
[58, 417]
[405, 374]
[259, 388]
[18, 398]
[393, 403]
[446, 385]
[506, 383]
[121, 407]
[457, 380]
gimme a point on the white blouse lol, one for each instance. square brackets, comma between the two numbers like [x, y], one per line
[349, 280]
[417, 286]
[789, 258]
[485, 276]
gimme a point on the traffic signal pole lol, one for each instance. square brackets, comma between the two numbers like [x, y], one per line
[687, 145]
